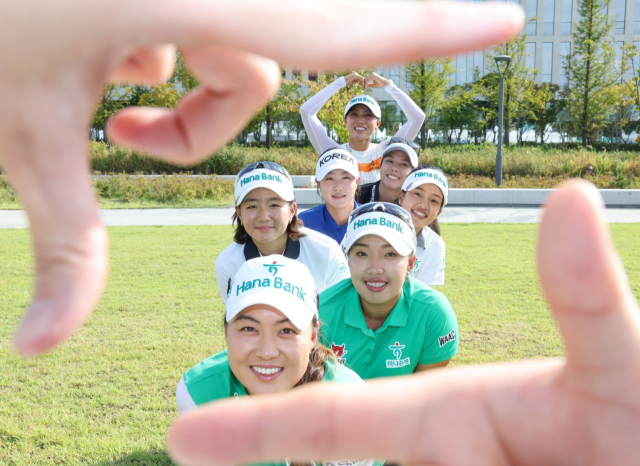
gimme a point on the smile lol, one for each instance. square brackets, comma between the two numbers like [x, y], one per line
[393, 177]
[376, 286]
[267, 370]
[419, 214]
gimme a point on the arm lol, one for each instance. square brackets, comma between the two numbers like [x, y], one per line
[223, 274]
[415, 115]
[426, 367]
[183, 399]
[313, 126]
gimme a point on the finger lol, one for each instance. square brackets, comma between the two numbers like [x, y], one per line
[431, 418]
[327, 33]
[234, 85]
[146, 65]
[587, 289]
[49, 171]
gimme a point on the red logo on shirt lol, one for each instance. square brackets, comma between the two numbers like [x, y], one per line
[339, 351]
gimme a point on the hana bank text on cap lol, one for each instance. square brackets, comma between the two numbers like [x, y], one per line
[383, 219]
[364, 100]
[268, 175]
[279, 282]
[427, 176]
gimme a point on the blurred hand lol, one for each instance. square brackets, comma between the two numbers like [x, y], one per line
[57, 57]
[354, 78]
[584, 410]
[375, 80]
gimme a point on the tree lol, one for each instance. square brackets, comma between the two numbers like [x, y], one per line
[183, 75]
[430, 80]
[114, 98]
[588, 70]
[459, 112]
[161, 95]
[521, 95]
[546, 116]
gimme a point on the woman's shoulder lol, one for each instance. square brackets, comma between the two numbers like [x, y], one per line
[314, 239]
[312, 213]
[211, 379]
[431, 238]
[339, 373]
[335, 292]
[417, 292]
[230, 252]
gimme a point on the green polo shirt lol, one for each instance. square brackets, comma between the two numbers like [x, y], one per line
[212, 379]
[421, 329]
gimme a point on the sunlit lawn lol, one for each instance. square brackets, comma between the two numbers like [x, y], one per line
[106, 396]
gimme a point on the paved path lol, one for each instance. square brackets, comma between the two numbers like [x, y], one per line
[150, 217]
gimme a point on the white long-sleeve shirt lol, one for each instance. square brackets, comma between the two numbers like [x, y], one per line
[368, 160]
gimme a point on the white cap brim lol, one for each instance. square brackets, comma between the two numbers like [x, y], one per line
[336, 160]
[413, 157]
[284, 189]
[404, 243]
[301, 318]
[413, 181]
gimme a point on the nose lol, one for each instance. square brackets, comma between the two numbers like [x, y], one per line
[267, 347]
[375, 265]
[263, 214]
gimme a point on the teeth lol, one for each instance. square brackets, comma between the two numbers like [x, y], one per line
[360, 128]
[266, 370]
[376, 284]
[393, 177]
[418, 214]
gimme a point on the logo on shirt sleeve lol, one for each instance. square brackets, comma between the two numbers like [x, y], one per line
[398, 361]
[340, 352]
[451, 336]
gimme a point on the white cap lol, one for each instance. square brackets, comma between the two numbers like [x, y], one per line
[427, 176]
[413, 157]
[365, 100]
[277, 182]
[336, 159]
[398, 232]
[280, 282]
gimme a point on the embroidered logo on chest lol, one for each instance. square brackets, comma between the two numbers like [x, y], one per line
[398, 361]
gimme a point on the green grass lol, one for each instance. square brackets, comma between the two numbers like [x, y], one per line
[106, 396]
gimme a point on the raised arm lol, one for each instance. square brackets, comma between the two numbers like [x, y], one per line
[415, 116]
[309, 112]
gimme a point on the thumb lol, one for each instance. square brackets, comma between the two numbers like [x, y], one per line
[587, 290]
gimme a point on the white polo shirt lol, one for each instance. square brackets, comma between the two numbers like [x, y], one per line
[322, 256]
[430, 263]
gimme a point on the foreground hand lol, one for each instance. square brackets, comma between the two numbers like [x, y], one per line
[375, 80]
[582, 411]
[59, 55]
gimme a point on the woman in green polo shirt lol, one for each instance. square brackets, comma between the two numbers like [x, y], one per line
[382, 322]
[271, 347]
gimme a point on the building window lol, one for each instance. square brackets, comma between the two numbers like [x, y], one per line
[461, 67]
[478, 62]
[296, 72]
[313, 75]
[532, 10]
[567, 11]
[621, 14]
[565, 49]
[394, 75]
[547, 61]
[549, 16]
[530, 52]
[636, 16]
[410, 86]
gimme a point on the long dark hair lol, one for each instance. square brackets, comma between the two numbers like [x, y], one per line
[241, 236]
[435, 226]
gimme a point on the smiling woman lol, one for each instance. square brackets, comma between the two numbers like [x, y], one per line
[383, 322]
[362, 117]
[271, 329]
[266, 223]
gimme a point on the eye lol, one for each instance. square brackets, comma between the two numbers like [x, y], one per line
[275, 204]
[248, 329]
[289, 331]
[361, 254]
[390, 254]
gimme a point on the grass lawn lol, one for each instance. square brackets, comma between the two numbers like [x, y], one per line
[106, 397]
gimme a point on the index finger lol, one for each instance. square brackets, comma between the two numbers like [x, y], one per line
[330, 34]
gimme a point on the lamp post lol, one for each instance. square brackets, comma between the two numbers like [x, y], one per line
[502, 63]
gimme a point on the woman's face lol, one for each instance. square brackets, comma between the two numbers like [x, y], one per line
[377, 270]
[361, 122]
[265, 215]
[338, 188]
[424, 203]
[395, 168]
[267, 353]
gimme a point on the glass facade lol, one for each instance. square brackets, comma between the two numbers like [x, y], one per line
[547, 61]
[621, 14]
[567, 11]
[549, 16]
[530, 50]
[394, 75]
[532, 10]
[565, 49]
[461, 69]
